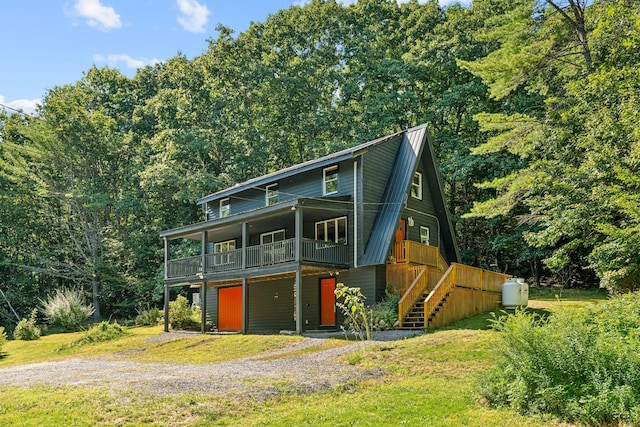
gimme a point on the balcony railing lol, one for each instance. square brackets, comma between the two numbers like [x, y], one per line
[261, 256]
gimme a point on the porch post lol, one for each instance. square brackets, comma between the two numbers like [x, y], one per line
[203, 288]
[245, 305]
[299, 299]
[245, 239]
[166, 307]
[298, 259]
[166, 286]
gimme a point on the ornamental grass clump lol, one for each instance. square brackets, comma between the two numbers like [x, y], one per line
[102, 332]
[67, 309]
[579, 364]
[27, 329]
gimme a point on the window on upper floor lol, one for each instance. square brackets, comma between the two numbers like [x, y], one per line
[271, 194]
[424, 235]
[332, 230]
[225, 208]
[226, 246]
[330, 180]
[416, 186]
[272, 236]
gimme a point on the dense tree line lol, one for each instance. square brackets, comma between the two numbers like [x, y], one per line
[532, 105]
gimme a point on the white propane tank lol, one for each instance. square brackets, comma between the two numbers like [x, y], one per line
[510, 293]
[524, 292]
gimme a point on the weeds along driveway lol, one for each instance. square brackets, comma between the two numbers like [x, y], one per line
[260, 376]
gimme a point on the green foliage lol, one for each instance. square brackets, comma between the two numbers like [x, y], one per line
[3, 337]
[181, 315]
[67, 309]
[148, 317]
[102, 332]
[384, 314]
[357, 315]
[27, 329]
[579, 364]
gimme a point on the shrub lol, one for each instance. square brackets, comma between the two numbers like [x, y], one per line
[103, 331]
[384, 314]
[148, 317]
[3, 337]
[27, 329]
[581, 364]
[357, 316]
[67, 309]
[181, 316]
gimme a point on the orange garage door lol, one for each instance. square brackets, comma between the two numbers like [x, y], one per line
[230, 309]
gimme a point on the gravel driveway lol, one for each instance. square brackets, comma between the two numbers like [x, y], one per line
[260, 376]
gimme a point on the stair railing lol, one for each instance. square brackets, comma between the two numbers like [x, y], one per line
[417, 288]
[435, 297]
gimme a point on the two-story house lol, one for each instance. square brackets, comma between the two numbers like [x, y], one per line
[273, 248]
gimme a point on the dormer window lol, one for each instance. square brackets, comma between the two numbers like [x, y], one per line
[225, 208]
[271, 194]
[330, 180]
[416, 186]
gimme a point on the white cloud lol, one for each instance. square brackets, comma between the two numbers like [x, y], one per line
[28, 106]
[97, 15]
[193, 16]
[115, 59]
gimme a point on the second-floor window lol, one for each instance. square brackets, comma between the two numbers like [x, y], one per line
[225, 209]
[424, 235]
[416, 186]
[330, 180]
[332, 230]
[272, 194]
[271, 236]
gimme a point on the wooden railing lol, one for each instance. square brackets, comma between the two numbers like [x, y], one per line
[224, 261]
[414, 252]
[472, 291]
[271, 253]
[417, 288]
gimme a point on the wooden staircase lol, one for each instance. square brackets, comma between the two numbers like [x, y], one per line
[435, 294]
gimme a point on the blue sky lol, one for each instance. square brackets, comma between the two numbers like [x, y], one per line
[49, 43]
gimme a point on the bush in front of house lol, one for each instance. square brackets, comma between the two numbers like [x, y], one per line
[581, 365]
[384, 315]
[181, 315]
[3, 337]
[148, 317]
[27, 329]
[67, 309]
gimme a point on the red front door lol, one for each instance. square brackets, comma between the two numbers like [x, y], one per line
[400, 231]
[230, 309]
[328, 302]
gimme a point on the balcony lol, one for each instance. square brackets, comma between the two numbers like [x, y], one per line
[259, 256]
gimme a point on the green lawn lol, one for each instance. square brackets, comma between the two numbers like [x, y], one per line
[430, 382]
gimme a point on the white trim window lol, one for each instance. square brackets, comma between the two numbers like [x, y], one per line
[424, 235]
[226, 246]
[272, 236]
[416, 186]
[332, 230]
[225, 208]
[220, 248]
[330, 180]
[271, 195]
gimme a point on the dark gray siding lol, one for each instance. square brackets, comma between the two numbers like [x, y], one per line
[271, 306]
[212, 304]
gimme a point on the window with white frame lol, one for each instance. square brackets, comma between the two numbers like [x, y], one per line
[416, 186]
[226, 246]
[271, 236]
[424, 235]
[220, 250]
[225, 208]
[271, 194]
[330, 180]
[332, 230]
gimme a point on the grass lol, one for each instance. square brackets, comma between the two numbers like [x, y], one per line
[430, 381]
